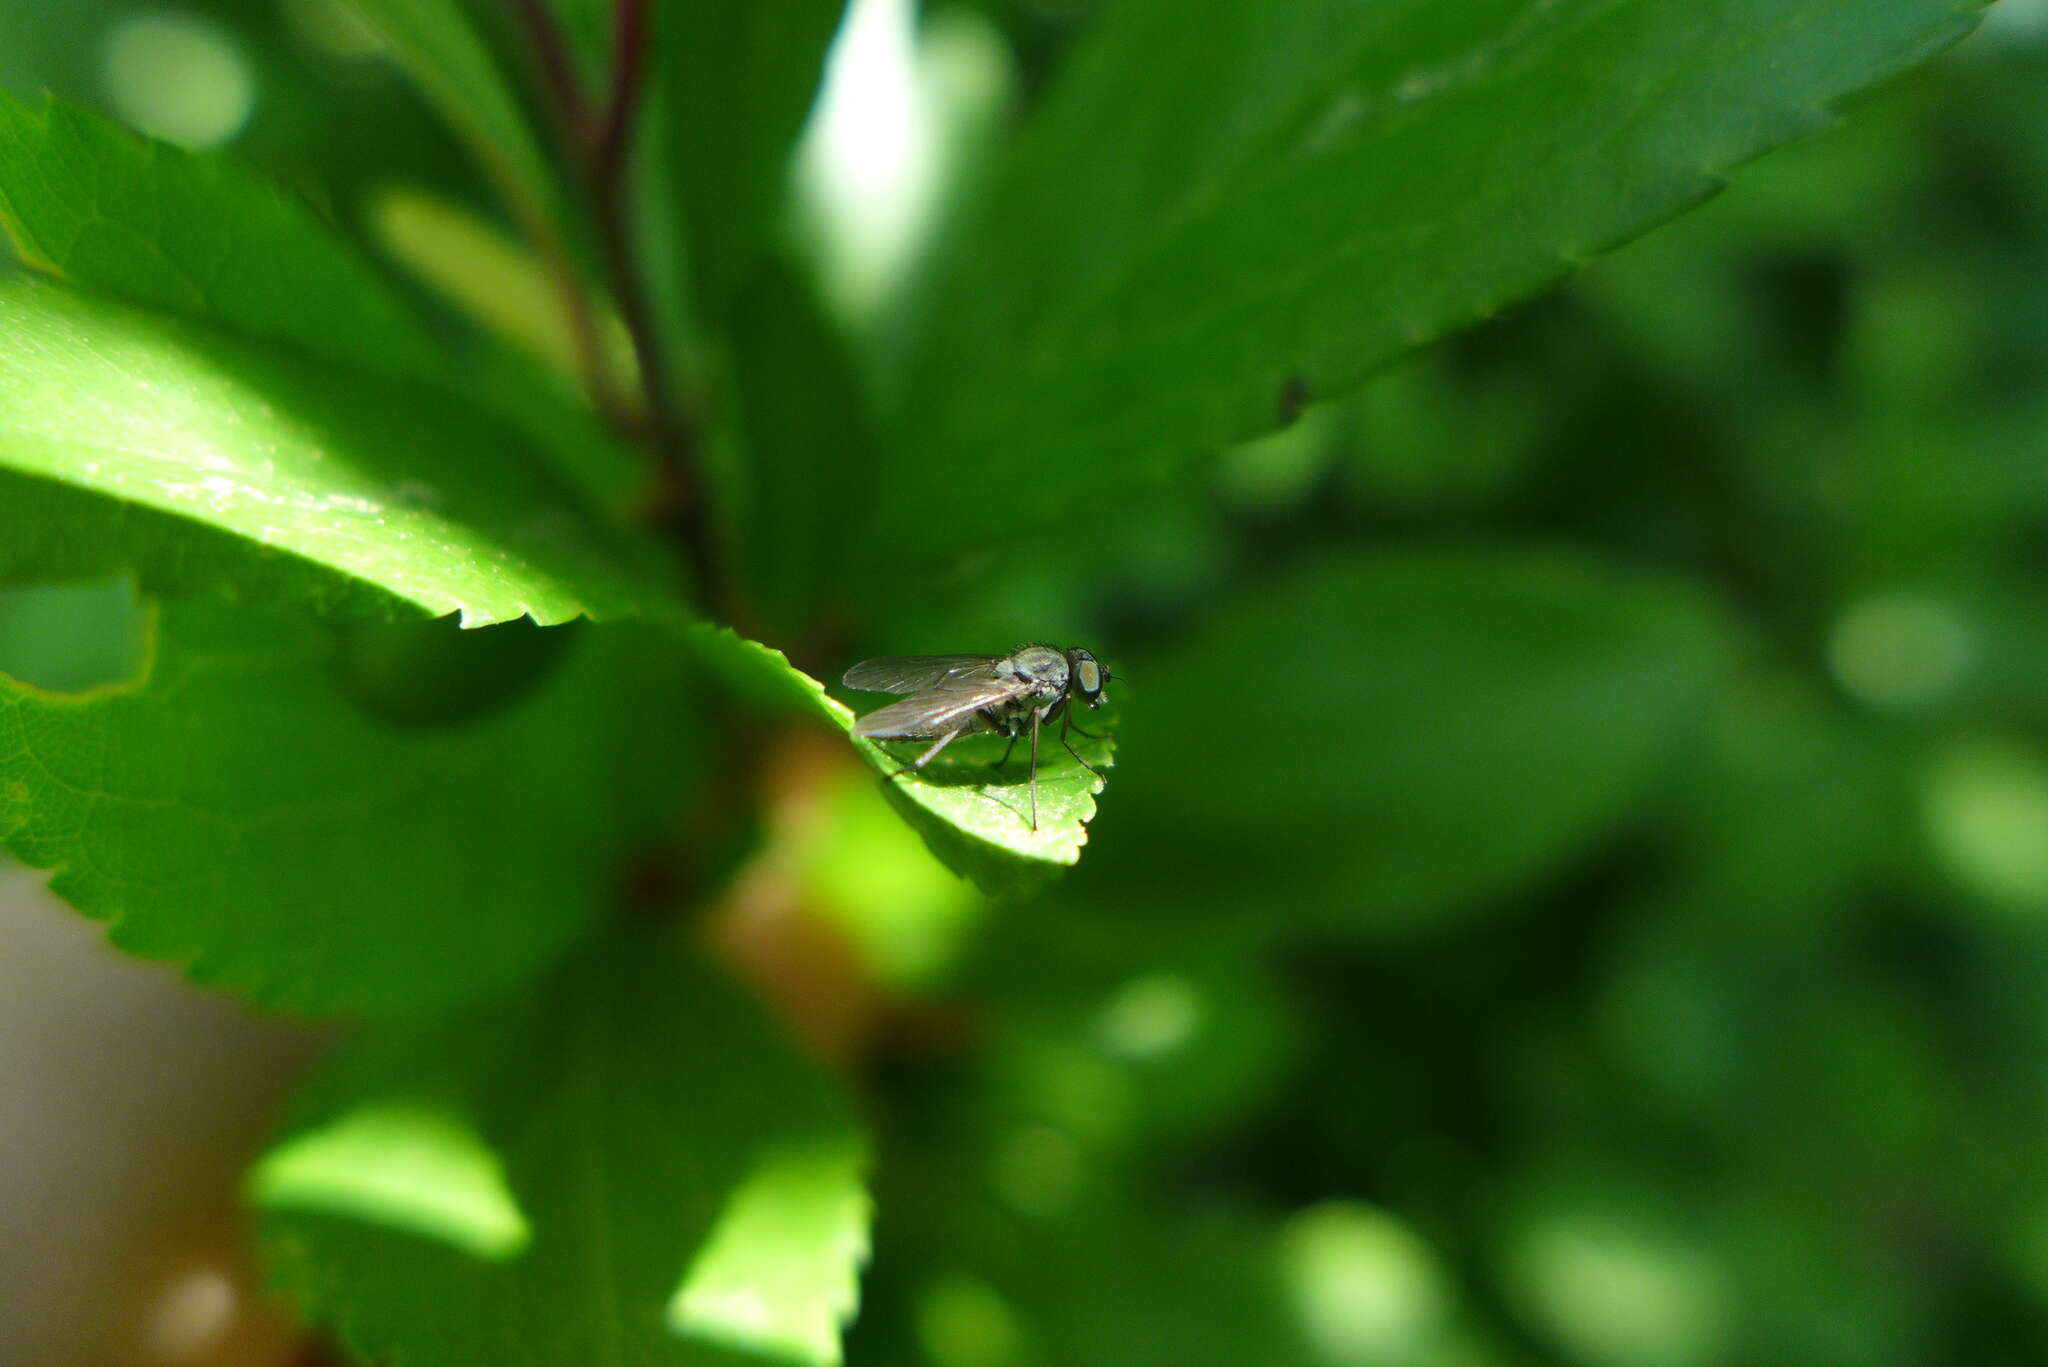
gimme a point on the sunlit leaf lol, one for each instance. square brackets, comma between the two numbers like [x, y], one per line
[397, 485]
[675, 1178]
[410, 1166]
[777, 1275]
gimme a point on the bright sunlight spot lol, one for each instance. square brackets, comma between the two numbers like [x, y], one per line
[1986, 806]
[179, 77]
[899, 108]
[409, 1166]
[1365, 1287]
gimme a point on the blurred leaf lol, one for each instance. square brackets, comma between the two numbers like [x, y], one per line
[807, 460]
[1184, 1034]
[1613, 1283]
[1365, 1286]
[1222, 211]
[452, 60]
[491, 277]
[732, 80]
[237, 812]
[972, 816]
[867, 873]
[647, 1165]
[1114, 1284]
[106, 210]
[401, 486]
[417, 672]
[534, 379]
[778, 1274]
[1381, 742]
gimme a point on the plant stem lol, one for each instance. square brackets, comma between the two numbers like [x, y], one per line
[558, 71]
[629, 75]
[599, 146]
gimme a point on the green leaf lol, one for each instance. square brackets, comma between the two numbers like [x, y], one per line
[1381, 743]
[241, 811]
[398, 485]
[56, 533]
[809, 450]
[974, 817]
[94, 204]
[453, 62]
[1224, 210]
[202, 237]
[630, 1164]
[778, 1272]
[733, 81]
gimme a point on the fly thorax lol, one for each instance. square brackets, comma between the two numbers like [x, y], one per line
[1043, 669]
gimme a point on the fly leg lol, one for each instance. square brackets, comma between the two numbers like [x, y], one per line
[1006, 750]
[928, 756]
[1034, 770]
[1066, 722]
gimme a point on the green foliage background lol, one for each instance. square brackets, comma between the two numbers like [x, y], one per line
[1573, 884]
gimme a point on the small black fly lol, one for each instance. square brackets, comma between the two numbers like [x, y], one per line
[957, 695]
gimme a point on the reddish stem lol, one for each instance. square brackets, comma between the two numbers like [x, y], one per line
[601, 150]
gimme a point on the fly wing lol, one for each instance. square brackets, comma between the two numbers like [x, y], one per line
[935, 711]
[913, 673]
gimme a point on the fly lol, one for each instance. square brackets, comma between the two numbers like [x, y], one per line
[951, 696]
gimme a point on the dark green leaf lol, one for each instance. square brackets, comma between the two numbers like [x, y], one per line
[399, 486]
[733, 81]
[238, 811]
[972, 816]
[108, 211]
[1381, 742]
[1225, 210]
[626, 1166]
[808, 451]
